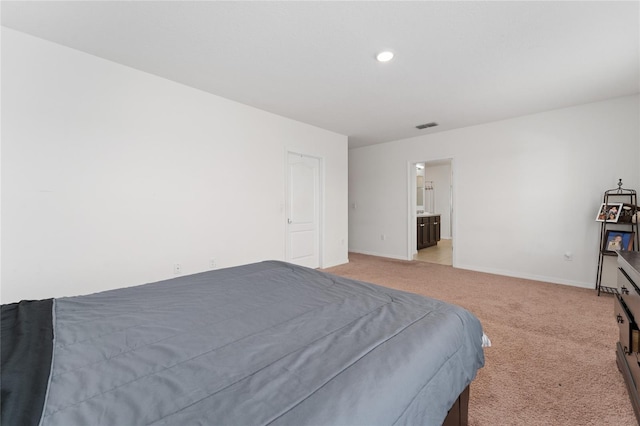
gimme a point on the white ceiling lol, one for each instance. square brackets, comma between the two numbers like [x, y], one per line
[457, 63]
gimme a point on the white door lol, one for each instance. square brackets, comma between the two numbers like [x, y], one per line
[303, 210]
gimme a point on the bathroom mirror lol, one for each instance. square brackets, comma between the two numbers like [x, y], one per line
[420, 187]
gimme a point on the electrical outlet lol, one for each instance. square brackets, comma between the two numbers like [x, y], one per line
[177, 269]
[212, 264]
[383, 237]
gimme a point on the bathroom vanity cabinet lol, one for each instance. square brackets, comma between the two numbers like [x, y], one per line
[428, 230]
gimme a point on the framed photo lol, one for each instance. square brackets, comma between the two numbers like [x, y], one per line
[609, 212]
[618, 241]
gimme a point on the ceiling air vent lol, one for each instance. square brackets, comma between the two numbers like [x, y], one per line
[426, 126]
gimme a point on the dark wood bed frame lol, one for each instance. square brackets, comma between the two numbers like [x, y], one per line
[459, 413]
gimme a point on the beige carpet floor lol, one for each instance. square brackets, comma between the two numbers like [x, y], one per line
[552, 360]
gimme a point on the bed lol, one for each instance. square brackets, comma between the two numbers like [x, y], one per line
[265, 343]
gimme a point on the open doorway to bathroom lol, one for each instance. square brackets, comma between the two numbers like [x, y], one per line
[432, 198]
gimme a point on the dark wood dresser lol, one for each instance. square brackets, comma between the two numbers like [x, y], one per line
[627, 312]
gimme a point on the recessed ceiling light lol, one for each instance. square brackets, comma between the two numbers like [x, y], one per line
[385, 56]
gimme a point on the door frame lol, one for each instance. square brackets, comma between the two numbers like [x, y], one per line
[320, 201]
[412, 216]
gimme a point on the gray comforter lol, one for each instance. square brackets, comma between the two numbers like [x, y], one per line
[266, 343]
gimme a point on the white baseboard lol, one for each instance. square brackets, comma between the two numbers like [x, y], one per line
[341, 262]
[532, 277]
[503, 272]
[372, 253]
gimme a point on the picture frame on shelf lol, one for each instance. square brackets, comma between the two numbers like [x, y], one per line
[618, 241]
[609, 212]
[627, 213]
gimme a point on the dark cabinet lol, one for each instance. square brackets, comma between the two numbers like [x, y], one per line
[428, 231]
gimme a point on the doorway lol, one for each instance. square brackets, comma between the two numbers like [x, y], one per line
[303, 210]
[431, 206]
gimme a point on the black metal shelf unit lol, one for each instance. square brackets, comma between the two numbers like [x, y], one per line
[618, 228]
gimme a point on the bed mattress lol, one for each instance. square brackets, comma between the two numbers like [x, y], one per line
[265, 343]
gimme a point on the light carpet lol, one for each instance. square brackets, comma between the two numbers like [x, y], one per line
[552, 360]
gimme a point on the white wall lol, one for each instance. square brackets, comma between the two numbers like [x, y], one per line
[111, 175]
[526, 190]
